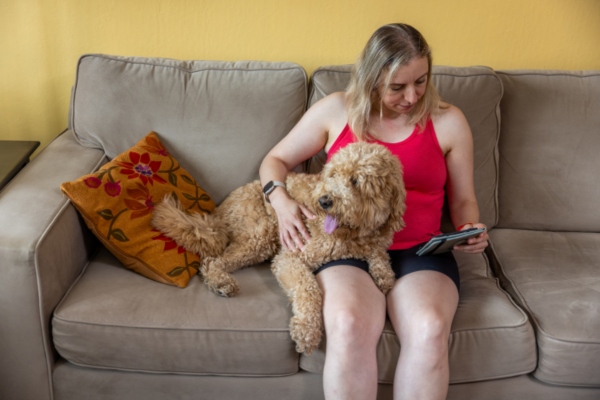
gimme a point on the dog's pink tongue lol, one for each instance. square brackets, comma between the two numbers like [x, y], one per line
[330, 224]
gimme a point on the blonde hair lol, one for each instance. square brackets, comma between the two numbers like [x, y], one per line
[389, 48]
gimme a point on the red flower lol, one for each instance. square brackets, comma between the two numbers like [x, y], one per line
[141, 166]
[92, 182]
[113, 189]
[141, 202]
[169, 243]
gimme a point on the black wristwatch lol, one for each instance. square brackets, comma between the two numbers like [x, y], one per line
[269, 187]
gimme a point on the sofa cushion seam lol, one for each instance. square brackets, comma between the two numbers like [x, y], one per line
[110, 368]
[73, 322]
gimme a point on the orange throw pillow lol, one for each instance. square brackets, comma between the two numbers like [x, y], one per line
[117, 201]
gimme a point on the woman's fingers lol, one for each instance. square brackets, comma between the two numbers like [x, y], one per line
[476, 244]
[294, 234]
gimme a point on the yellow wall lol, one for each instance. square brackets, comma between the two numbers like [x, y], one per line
[41, 40]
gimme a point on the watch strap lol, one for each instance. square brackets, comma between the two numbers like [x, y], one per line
[269, 187]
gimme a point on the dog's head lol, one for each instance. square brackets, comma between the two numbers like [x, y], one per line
[361, 188]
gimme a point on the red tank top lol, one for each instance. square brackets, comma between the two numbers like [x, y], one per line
[424, 168]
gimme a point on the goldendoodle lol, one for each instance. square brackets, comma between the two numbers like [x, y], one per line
[358, 200]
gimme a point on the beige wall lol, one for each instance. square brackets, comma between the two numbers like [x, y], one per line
[41, 40]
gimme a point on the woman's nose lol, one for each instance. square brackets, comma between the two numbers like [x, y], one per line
[410, 95]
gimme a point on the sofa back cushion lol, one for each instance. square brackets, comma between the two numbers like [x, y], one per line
[219, 119]
[548, 147]
[476, 91]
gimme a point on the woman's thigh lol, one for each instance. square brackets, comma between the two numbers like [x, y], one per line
[352, 305]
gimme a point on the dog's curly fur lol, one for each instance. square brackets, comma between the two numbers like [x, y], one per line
[360, 193]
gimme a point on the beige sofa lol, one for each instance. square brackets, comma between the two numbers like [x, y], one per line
[75, 324]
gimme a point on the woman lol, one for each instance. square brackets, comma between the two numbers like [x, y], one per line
[390, 100]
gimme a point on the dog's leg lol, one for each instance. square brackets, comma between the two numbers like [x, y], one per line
[381, 271]
[306, 326]
[217, 278]
[217, 271]
[202, 234]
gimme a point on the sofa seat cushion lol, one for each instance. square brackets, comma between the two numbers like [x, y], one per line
[555, 276]
[114, 319]
[491, 336]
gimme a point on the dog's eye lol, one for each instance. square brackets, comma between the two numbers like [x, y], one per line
[354, 181]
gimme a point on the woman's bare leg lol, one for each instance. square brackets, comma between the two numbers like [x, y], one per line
[421, 307]
[354, 313]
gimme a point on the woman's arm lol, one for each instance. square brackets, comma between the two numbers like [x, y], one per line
[305, 140]
[457, 143]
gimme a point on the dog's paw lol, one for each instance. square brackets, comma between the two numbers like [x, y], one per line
[384, 280]
[305, 334]
[228, 290]
[221, 282]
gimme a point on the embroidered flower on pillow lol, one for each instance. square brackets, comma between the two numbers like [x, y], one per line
[117, 201]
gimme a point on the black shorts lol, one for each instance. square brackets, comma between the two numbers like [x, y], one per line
[406, 261]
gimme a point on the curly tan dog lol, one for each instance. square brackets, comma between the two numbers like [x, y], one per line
[358, 199]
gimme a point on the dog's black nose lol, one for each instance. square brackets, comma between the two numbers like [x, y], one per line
[325, 202]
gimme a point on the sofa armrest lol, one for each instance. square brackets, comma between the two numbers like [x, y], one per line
[44, 246]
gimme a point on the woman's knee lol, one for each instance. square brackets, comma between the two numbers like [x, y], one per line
[352, 328]
[428, 331]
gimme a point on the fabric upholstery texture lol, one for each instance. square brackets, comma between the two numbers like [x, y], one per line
[547, 254]
[115, 319]
[555, 276]
[75, 383]
[549, 150]
[206, 112]
[117, 202]
[43, 248]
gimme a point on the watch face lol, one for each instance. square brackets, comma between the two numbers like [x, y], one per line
[268, 188]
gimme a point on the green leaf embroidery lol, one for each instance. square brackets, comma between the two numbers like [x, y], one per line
[189, 180]
[171, 175]
[173, 179]
[119, 235]
[106, 214]
[188, 196]
[114, 232]
[176, 271]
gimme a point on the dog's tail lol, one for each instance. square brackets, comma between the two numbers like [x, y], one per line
[199, 233]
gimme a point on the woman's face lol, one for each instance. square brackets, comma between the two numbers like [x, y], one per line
[406, 88]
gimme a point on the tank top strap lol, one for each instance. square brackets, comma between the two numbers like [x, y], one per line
[345, 137]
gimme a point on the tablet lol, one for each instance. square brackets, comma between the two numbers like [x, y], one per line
[446, 241]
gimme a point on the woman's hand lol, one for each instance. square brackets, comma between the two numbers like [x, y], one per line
[292, 231]
[475, 244]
